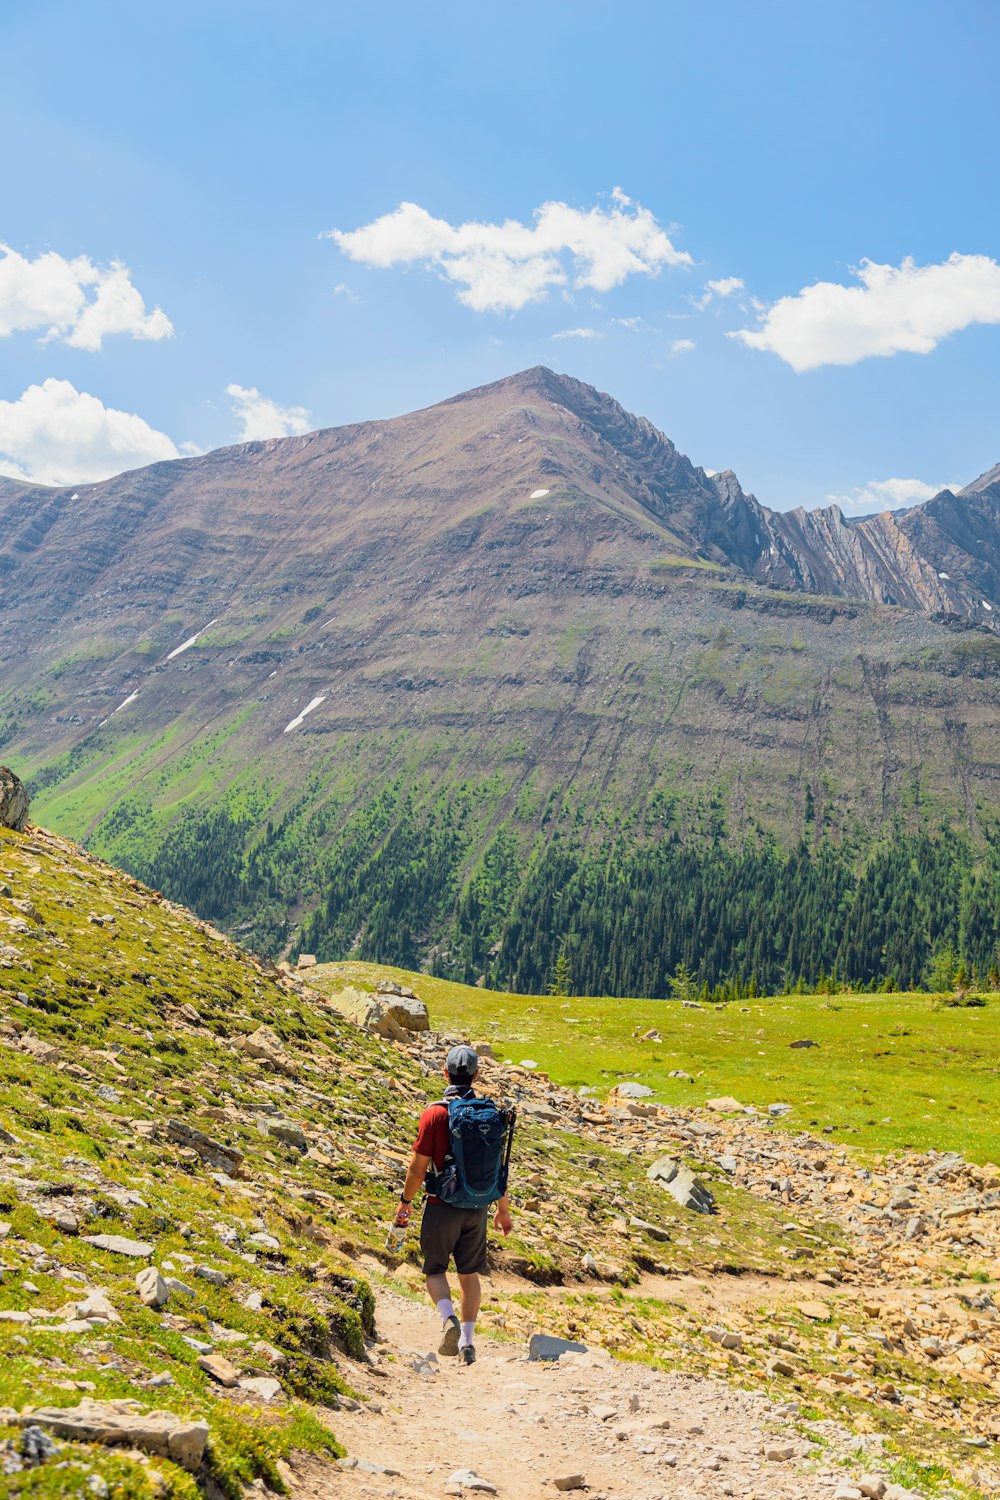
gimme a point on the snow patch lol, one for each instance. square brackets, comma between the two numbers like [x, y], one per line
[539, 494]
[988, 606]
[946, 576]
[314, 703]
[75, 495]
[130, 699]
[186, 645]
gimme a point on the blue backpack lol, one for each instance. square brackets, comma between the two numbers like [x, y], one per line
[476, 1168]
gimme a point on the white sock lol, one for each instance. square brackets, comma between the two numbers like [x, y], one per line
[468, 1335]
[446, 1308]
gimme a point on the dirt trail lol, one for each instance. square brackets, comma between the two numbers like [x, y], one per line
[632, 1433]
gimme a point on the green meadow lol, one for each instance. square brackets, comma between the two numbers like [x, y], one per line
[887, 1072]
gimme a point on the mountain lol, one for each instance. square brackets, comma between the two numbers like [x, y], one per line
[411, 682]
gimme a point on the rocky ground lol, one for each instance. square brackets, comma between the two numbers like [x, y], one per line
[198, 1156]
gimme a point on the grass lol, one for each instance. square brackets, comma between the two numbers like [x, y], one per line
[888, 1072]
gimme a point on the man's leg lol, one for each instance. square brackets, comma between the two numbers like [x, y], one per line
[437, 1235]
[472, 1298]
[440, 1294]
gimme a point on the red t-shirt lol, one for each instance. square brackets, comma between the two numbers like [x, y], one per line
[434, 1137]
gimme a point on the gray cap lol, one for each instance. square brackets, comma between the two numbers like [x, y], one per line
[463, 1062]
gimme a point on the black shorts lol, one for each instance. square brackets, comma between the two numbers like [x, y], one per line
[458, 1232]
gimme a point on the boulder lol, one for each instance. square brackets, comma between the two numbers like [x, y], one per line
[263, 1045]
[117, 1424]
[395, 1017]
[118, 1245]
[632, 1090]
[725, 1104]
[153, 1290]
[221, 1370]
[14, 801]
[681, 1183]
[214, 1153]
[545, 1346]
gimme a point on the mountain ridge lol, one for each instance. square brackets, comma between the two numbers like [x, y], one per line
[372, 666]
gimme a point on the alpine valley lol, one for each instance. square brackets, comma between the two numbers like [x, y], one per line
[510, 680]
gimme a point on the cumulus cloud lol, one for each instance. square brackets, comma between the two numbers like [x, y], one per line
[263, 418]
[682, 346]
[503, 267]
[905, 308]
[55, 434]
[885, 494]
[73, 300]
[577, 333]
[725, 287]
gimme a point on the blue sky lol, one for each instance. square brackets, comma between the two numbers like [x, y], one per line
[210, 147]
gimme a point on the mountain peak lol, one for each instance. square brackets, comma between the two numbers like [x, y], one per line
[983, 483]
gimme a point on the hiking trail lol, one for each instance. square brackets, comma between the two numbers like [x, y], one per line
[628, 1432]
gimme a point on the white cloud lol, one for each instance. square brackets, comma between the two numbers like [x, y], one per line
[503, 267]
[53, 294]
[343, 290]
[632, 324]
[55, 434]
[263, 418]
[906, 308]
[885, 494]
[726, 286]
[682, 346]
[577, 333]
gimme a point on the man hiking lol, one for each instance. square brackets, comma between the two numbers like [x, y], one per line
[461, 1155]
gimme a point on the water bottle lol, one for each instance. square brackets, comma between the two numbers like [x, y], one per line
[395, 1240]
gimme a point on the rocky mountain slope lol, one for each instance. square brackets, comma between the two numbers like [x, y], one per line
[198, 1157]
[243, 675]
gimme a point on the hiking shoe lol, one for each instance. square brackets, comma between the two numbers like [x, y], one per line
[467, 1354]
[451, 1336]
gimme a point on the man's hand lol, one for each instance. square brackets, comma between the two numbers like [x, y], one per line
[402, 1216]
[502, 1220]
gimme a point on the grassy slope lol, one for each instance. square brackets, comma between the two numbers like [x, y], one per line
[100, 970]
[892, 1070]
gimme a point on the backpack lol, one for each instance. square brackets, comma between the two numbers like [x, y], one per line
[475, 1171]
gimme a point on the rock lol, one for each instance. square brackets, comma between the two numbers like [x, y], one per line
[262, 1241]
[214, 1153]
[153, 1290]
[777, 1453]
[546, 1346]
[778, 1111]
[219, 1368]
[778, 1366]
[386, 1014]
[306, 961]
[115, 1423]
[570, 1482]
[725, 1104]
[819, 1312]
[14, 801]
[467, 1479]
[631, 1090]
[288, 1133]
[96, 1304]
[264, 1386]
[680, 1073]
[654, 1231]
[211, 1275]
[724, 1338]
[871, 1486]
[847, 1492]
[118, 1245]
[682, 1184]
[65, 1221]
[263, 1045]
[36, 1447]
[803, 1043]
[406, 1010]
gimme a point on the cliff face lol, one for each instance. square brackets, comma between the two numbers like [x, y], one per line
[524, 592]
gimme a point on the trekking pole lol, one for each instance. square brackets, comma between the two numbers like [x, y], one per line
[512, 1113]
